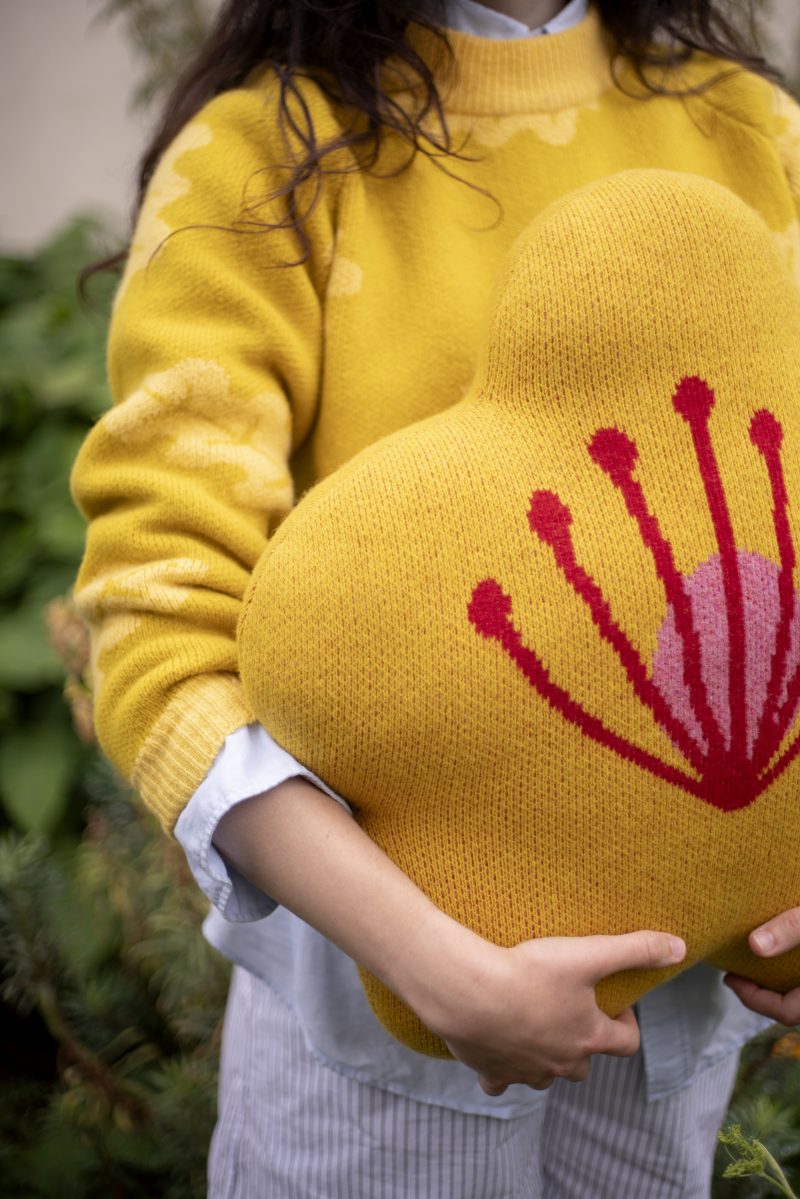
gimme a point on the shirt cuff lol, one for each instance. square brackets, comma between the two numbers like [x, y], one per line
[249, 763]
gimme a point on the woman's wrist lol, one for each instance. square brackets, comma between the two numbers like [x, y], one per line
[451, 977]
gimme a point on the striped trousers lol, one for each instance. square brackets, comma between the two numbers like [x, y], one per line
[292, 1128]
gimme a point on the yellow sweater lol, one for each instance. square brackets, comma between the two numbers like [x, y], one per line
[238, 382]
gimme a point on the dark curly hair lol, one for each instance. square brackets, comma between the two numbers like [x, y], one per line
[343, 44]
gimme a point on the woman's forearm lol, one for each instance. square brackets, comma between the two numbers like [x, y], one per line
[302, 848]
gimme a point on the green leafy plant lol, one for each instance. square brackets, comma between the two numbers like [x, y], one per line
[52, 386]
[752, 1159]
[111, 1000]
[101, 941]
[763, 1124]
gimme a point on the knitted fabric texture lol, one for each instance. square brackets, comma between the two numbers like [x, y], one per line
[547, 643]
[239, 381]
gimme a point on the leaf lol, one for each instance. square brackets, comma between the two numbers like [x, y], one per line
[66, 382]
[15, 559]
[27, 659]
[44, 467]
[61, 531]
[37, 770]
[83, 924]
[58, 1164]
[68, 250]
[17, 280]
[16, 417]
[7, 708]
[46, 581]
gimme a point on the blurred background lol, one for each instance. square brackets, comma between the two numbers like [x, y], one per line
[111, 1002]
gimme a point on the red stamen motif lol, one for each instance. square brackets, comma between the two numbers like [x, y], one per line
[767, 436]
[601, 451]
[729, 777]
[543, 503]
[694, 400]
[490, 612]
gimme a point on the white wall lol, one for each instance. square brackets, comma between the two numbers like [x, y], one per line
[784, 32]
[67, 139]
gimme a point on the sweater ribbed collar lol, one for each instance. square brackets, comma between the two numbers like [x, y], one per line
[540, 74]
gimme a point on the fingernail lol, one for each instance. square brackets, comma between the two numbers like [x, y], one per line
[677, 948]
[764, 939]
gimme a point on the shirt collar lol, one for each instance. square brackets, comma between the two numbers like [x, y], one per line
[468, 16]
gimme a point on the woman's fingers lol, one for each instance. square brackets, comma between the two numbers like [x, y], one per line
[774, 937]
[491, 1087]
[642, 950]
[577, 1073]
[534, 1017]
[581, 1071]
[494, 1087]
[778, 935]
[620, 1037]
[783, 1009]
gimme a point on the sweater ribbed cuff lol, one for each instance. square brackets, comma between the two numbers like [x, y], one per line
[184, 742]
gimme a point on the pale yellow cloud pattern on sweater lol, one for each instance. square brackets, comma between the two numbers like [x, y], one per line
[191, 405]
[346, 277]
[168, 185]
[553, 128]
[107, 630]
[161, 586]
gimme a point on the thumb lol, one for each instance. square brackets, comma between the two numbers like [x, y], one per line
[642, 950]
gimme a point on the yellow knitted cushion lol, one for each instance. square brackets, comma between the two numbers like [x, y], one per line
[547, 643]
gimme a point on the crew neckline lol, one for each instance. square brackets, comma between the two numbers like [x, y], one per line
[498, 77]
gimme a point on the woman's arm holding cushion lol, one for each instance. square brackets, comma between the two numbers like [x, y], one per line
[523, 1014]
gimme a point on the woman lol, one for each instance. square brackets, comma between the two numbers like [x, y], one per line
[344, 203]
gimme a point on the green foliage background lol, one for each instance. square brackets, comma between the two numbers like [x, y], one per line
[111, 1000]
[51, 387]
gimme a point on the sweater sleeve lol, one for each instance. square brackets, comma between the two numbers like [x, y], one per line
[214, 361]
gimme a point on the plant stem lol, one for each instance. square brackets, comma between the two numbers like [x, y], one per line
[780, 1180]
[91, 1066]
[43, 990]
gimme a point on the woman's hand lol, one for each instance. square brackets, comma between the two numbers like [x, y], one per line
[528, 1014]
[769, 940]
